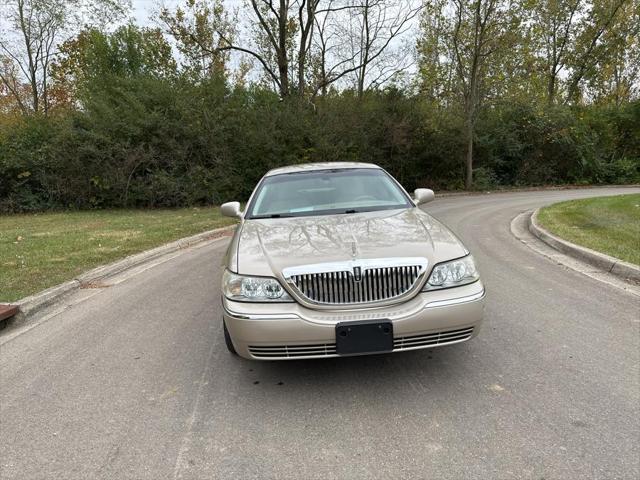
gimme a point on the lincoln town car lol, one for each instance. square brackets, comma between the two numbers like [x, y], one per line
[337, 259]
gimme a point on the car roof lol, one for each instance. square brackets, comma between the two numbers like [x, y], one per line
[308, 167]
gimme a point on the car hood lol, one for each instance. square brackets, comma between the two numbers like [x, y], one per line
[267, 246]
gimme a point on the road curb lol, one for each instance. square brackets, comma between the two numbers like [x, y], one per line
[624, 270]
[551, 188]
[34, 303]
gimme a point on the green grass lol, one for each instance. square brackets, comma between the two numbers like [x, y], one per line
[41, 250]
[609, 225]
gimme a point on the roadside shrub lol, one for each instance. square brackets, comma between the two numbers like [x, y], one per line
[524, 145]
[26, 165]
[149, 141]
[483, 179]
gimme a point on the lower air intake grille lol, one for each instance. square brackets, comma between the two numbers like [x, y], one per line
[329, 349]
[428, 339]
[291, 351]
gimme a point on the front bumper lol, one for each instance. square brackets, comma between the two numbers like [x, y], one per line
[282, 331]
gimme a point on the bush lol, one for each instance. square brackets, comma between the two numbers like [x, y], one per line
[522, 145]
[146, 141]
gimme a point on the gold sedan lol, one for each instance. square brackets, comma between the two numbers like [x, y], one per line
[336, 259]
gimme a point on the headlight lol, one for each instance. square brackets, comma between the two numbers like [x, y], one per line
[452, 274]
[253, 289]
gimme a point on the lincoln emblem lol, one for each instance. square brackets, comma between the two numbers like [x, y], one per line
[357, 274]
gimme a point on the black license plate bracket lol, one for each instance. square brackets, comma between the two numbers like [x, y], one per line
[364, 336]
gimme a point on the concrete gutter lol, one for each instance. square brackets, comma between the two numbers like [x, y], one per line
[34, 303]
[624, 270]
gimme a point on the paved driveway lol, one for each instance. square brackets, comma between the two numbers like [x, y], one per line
[134, 381]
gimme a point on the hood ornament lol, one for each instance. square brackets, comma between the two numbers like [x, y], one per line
[354, 249]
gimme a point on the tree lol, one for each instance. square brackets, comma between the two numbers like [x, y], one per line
[555, 25]
[435, 64]
[93, 57]
[36, 29]
[373, 26]
[282, 29]
[307, 10]
[273, 31]
[303, 46]
[360, 40]
[476, 36]
[201, 29]
[568, 37]
[14, 94]
[604, 16]
[464, 51]
[616, 71]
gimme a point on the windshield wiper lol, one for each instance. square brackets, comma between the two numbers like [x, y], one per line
[351, 210]
[273, 215]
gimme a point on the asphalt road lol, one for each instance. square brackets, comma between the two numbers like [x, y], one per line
[134, 381]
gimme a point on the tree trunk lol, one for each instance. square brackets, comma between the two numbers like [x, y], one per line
[362, 73]
[468, 178]
[323, 74]
[551, 88]
[306, 34]
[365, 49]
[301, 67]
[283, 60]
[33, 78]
[45, 93]
[34, 93]
[283, 70]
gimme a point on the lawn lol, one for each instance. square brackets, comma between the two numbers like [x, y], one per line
[607, 224]
[41, 250]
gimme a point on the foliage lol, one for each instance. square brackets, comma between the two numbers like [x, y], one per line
[150, 142]
[132, 128]
[200, 28]
[477, 53]
[31, 32]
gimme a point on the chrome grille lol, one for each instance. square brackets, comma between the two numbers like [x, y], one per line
[346, 287]
[293, 351]
[410, 342]
[429, 339]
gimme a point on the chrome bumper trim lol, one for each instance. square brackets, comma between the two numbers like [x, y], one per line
[261, 316]
[293, 316]
[456, 301]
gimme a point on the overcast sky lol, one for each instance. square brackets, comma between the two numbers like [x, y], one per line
[142, 12]
[142, 9]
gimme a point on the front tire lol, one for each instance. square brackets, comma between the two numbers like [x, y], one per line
[227, 339]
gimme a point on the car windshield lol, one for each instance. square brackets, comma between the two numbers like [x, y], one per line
[325, 192]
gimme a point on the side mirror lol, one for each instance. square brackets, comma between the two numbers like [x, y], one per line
[423, 195]
[231, 209]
